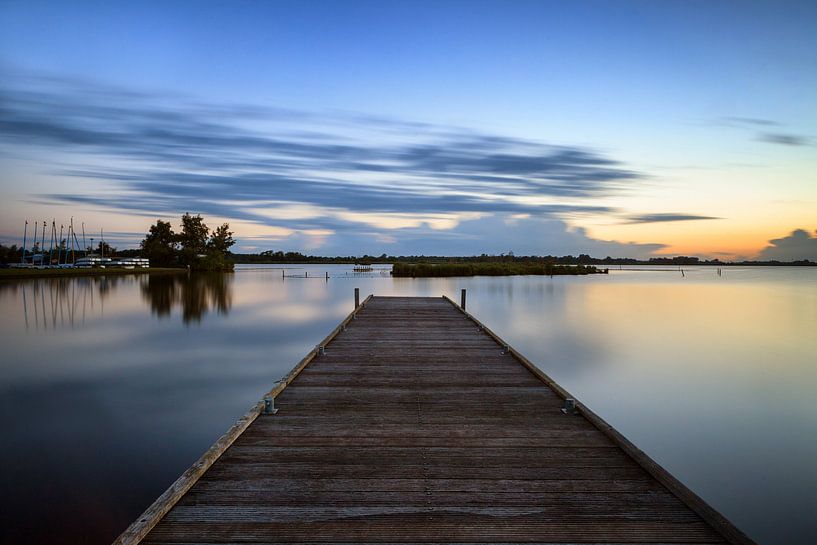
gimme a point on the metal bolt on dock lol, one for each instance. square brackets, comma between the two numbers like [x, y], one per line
[269, 405]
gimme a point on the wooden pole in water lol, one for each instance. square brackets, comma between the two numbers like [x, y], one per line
[462, 299]
[357, 297]
[327, 275]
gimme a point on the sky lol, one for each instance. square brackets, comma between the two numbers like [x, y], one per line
[633, 129]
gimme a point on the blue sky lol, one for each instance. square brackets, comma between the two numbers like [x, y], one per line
[628, 128]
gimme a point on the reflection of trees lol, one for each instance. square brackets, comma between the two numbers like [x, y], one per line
[196, 294]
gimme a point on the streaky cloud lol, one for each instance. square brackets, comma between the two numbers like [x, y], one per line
[667, 217]
[749, 121]
[167, 147]
[767, 128]
[493, 235]
[783, 139]
[163, 154]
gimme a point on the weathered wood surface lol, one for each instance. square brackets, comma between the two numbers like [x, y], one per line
[414, 428]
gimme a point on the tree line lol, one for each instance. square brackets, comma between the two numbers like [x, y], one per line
[197, 246]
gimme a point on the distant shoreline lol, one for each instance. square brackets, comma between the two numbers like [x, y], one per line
[22, 273]
[297, 258]
[610, 265]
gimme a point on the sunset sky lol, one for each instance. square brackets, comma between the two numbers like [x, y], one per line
[349, 127]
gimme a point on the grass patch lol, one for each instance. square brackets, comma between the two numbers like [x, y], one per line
[428, 270]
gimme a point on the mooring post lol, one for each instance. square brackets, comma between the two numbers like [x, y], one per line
[462, 299]
[282, 273]
[327, 275]
[357, 297]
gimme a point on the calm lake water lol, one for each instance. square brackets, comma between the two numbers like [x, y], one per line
[111, 387]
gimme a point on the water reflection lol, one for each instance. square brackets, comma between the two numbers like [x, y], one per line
[53, 303]
[144, 373]
[195, 294]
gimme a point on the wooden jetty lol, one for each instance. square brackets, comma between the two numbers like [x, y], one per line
[414, 423]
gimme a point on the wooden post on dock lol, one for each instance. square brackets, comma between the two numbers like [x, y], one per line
[462, 299]
[357, 297]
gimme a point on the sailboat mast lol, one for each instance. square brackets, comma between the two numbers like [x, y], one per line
[42, 246]
[71, 240]
[84, 246]
[53, 236]
[76, 240]
[25, 233]
[102, 244]
[59, 247]
[34, 250]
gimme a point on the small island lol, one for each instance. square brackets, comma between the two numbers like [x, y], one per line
[496, 268]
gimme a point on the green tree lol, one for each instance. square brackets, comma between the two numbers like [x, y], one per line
[160, 244]
[10, 254]
[103, 248]
[218, 248]
[193, 246]
[193, 239]
[222, 239]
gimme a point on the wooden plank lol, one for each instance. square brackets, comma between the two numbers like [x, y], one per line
[275, 542]
[414, 427]
[340, 487]
[439, 527]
